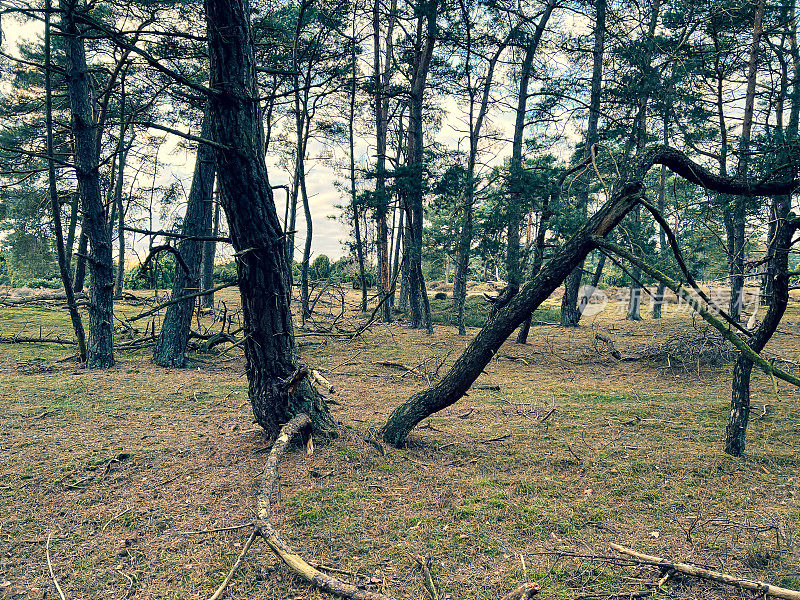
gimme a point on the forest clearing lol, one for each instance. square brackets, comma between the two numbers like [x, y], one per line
[558, 450]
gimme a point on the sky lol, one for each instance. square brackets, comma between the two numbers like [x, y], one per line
[329, 231]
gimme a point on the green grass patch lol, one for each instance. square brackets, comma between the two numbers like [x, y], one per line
[476, 311]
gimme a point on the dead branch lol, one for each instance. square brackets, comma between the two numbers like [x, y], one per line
[524, 592]
[18, 339]
[216, 288]
[321, 381]
[50, 566]
[763, 589]
[319, 580]
[427, 578]
[610, 343]
[224, 585]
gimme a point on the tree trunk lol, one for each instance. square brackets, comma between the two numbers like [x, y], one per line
[122, 154]
[738, 220]
[100, 346]
[209, 254]
[418, 297]
[570, 315]
[255, 230]
[381, 81]
[475, 126]
[778, 272]
[170, 348]
[79, 281]
[517, 192]
[63, 264]
[351, 139]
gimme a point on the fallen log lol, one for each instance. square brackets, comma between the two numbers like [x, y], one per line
[763, 589]
[18, 339]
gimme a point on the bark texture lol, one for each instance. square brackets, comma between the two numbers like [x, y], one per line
[255, 231]
[174, 335]
[100, 345]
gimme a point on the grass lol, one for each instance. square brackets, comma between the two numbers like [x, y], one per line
[631, 448]
[476, 311]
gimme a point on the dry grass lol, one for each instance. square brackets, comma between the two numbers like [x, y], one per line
[631, 453]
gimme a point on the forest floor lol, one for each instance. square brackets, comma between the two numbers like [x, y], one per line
[558, 450]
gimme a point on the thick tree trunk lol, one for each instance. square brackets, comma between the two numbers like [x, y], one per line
[484, 346]
[170, 348]
[100, 346]
[255, 230]
[414, 192]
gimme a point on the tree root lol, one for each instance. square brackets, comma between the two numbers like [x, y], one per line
[263, 528]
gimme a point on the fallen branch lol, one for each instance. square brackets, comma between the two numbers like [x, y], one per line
[427, 578]
[221, 588]
[524, 592]
[316, 578]
[610, 343]
[18, 339]
[216, 288]
[764, 589]
[50, 566]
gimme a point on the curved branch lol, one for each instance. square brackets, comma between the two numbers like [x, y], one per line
[676, 251]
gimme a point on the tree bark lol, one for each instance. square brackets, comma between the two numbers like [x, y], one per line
[475, 126]
[351, 139]
[256, 233]
[209, 254]
[170, 348]
[777, 272]
[414, 192]
[100, 346]
[63, 264]
[739, 211]
[381, 81]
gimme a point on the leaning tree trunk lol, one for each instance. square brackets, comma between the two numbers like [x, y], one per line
[484, 346]
[100, 346]
[275, 393]
[209, 254]
[174, 335]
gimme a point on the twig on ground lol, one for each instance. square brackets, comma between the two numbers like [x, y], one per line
[50, 566]
[687, 569]
[217, 530]
[524, 592]
[427, 578]
[221, 589]
[114, 518]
